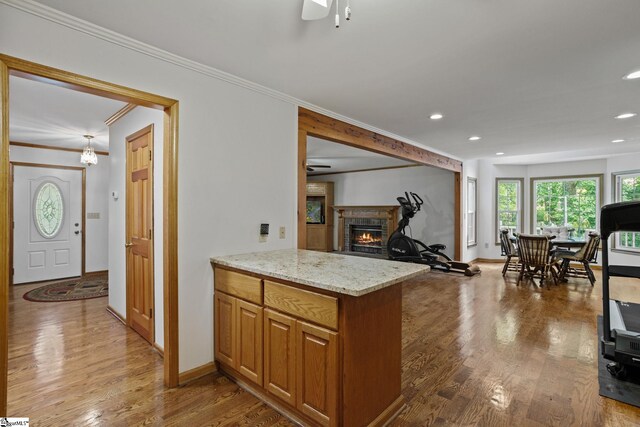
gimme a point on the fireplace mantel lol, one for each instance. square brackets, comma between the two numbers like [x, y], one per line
[366, 211]
[387, 215]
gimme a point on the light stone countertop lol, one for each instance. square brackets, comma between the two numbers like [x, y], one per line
[344, 274]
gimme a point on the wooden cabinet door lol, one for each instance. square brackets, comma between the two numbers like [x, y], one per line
[279, 355]
[225, 329]
[317, 373]
[249, 341]
[316, 237]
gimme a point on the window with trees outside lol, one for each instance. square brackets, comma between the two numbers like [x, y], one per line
[571, 202]
[627, 188]
[509, 195]
[472, 217]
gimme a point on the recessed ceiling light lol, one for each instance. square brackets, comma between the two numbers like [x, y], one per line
[499, 153]
[436, 116]
[615, 141]
[626, 115]
[633, 75]
[474, 138]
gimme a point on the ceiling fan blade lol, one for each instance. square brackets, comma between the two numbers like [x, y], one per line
[315, 9]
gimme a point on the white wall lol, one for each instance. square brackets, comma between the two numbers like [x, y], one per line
[433, 224]
[97, 178]
[135, 120]
[237, 157]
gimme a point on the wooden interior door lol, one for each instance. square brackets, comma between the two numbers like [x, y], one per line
[279, 357]
[139, 234]
[317, 374]
[249, 340]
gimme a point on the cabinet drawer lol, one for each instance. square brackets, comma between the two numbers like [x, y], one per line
[317, 308]
[240, 285]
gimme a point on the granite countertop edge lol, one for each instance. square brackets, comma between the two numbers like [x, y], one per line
[356, 292]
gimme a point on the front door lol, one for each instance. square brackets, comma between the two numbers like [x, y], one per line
[139, 244]
[47, 216]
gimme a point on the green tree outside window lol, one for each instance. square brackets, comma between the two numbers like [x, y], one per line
[572, 203]
[628, 189]
[508, 205]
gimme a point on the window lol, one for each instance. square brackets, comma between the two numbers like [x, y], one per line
[48, 210]
[472, 217]
[571, 202]
[627, 188]
[509, 195]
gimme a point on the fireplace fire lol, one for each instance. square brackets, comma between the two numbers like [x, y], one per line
[366, 239]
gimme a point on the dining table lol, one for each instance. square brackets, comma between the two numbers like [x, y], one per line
[567, 243]
[560, 243]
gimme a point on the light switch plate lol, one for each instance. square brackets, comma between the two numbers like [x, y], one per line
[282, 232]
[93, 215]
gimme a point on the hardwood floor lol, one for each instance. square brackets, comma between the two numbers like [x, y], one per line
[476, 351]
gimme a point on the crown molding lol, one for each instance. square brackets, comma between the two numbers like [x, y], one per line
[53, 147]
[119, 114]
[77, 24]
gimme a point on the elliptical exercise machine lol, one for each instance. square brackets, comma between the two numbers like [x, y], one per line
[401, 247]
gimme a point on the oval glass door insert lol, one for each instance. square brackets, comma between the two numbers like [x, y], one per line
[48, 210]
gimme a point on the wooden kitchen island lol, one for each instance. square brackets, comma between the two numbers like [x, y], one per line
[315, 335]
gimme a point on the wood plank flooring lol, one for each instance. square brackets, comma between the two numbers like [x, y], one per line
[476, 351]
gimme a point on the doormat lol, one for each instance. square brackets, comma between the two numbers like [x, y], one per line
[627, 391]
[70, 290]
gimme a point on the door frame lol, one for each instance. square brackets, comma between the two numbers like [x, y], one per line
[18, 67]
[311, 123]
[83, 202]
[129, 290]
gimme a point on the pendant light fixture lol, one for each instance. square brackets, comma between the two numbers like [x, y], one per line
[347, 12]
[319, 9]
[88, 156]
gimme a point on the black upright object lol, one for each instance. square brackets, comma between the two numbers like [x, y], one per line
[622, 345]
[401, 247]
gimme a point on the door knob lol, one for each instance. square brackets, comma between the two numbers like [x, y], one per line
[77, 231]
[128, 245]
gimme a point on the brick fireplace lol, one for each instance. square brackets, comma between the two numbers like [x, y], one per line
[365, 229]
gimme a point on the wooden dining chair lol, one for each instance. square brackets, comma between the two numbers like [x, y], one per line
[586, 255]
[535, 257]
[509, 250]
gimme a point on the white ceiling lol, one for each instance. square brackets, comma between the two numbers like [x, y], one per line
[528, 76]
[44, 114]
[343, 158]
